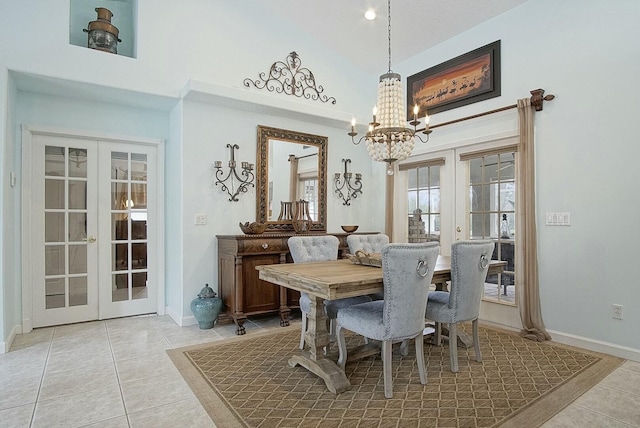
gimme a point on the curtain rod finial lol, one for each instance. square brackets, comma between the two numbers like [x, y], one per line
[537, 98]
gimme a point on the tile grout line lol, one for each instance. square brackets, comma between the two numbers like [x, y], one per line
[44, 369]
[115, 367]
[602, 414]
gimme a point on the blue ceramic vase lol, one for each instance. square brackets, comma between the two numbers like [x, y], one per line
[206, 307]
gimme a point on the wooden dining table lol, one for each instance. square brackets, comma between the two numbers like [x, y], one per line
[332, 280]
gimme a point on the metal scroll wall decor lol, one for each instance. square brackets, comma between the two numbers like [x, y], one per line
[344, 187]
[244, 179]
[287, 77]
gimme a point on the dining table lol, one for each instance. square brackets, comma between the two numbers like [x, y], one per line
[337, 279]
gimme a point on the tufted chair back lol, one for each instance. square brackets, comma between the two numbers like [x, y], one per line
[313, 248]
[468, 272]
[367, 243]
[405, 289]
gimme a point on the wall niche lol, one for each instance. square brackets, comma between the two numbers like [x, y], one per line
[81, 12]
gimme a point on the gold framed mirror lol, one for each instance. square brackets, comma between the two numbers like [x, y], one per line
[290, 166]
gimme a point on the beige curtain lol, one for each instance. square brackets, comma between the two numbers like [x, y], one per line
[529, 295]
[293, 178]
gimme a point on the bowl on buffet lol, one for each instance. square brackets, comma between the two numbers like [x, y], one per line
[253, 228]
[349, 229]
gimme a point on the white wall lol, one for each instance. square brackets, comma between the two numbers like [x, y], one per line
[586, 152]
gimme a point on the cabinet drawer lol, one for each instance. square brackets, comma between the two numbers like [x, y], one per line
[263, 246]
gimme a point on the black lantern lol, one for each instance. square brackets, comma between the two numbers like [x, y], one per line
[102, 34]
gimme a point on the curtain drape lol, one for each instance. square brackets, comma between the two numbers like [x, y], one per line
[529, 295]
[293, 178]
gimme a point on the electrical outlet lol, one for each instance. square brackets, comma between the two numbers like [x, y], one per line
[617, 312]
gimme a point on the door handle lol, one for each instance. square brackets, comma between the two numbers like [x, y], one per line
[458, 229]
[91, 239]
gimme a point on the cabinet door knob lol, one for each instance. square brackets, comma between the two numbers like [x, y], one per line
[265, 246]
[458, 229]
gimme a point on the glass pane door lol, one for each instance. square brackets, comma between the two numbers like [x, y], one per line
[127, 269]
[63, 229]
[128, 226]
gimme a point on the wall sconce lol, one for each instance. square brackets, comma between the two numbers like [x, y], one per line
[351, 190]
[245, 179]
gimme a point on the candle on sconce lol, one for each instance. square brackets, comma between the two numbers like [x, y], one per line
[217, 164]
[353, 124]
[375, 112]
[232, 164]
[416, 110]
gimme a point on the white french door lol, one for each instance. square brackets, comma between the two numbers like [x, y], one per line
[474, 191]
[90, 229]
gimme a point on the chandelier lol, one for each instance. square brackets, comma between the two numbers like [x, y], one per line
[388, 138]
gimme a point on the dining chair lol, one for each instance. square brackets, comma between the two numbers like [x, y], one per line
[371, 243]
[319, 249]
[469, 265]
[407, 270]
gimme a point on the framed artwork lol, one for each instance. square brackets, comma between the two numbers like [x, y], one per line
[466, 79]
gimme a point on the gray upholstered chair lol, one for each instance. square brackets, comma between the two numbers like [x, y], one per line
[469, 264]
[407, 270]
[319, 249]
[369, 244]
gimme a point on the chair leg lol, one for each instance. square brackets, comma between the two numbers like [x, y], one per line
[438, 334]
[420, 359]
[404, 348]
[304, 329]
[453, 346]
[342, 347]
[387, 345]
[476, 340]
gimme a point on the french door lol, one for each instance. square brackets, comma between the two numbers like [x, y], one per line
[468, 192]
[90, 224]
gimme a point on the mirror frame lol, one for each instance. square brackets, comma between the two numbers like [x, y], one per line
[265, 134]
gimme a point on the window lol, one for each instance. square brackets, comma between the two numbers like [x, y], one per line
[424, 203]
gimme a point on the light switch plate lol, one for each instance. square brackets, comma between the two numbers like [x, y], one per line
[201, 219]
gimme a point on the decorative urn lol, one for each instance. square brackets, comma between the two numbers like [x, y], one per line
[206, 307]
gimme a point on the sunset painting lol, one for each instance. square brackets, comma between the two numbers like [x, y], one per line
[452, 85]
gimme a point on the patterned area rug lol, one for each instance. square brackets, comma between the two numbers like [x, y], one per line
[247, 382]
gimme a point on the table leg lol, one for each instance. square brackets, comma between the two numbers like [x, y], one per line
[313, 358]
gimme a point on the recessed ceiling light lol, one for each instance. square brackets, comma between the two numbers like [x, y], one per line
[370, 14]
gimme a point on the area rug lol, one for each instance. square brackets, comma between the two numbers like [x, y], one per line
[246, 382]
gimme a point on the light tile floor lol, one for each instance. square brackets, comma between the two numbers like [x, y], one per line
[116, 373]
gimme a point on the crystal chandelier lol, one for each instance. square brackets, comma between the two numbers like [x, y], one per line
[388, 138]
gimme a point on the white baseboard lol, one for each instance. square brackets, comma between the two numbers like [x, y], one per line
[181, 321]
[496, 325]
[595, 345]
[582, 342]
[6, 345]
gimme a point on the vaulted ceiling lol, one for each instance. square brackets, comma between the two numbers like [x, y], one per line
[416, 25]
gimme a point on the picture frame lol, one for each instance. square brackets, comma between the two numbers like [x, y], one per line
[466, 79]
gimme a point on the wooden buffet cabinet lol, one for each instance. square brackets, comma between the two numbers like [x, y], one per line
[242, 292]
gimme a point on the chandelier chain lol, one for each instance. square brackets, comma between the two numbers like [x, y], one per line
[389, 31]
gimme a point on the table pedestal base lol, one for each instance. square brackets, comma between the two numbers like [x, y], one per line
[327, 370]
